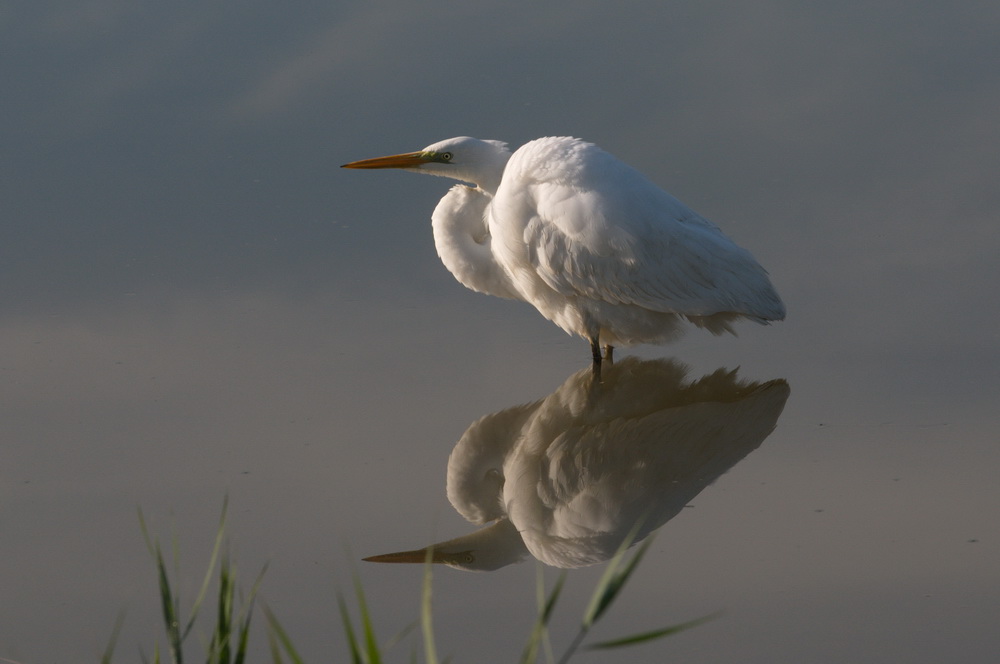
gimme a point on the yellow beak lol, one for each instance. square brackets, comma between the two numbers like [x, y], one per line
[405, 160]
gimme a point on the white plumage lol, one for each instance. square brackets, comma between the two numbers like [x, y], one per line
[568, 478]
[587, 240]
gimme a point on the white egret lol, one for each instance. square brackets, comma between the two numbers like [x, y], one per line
[567, 479]
[592, 244]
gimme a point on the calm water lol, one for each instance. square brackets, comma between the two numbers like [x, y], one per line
[198, 303]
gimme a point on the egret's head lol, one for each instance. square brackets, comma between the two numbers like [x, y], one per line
[463, 158]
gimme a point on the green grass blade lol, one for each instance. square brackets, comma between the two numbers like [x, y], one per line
[109, 650]
[216, 548]
[167, 602]
[374, 656]
[399, 636]
[547, 613]
[430, 652]
[352, 640]
[171, 602]
[278, 631]
[272, 642]
[166, 595]
[551, 603]
[243, 638]
[170, 610]
[145, 533]
[545, 607]
[616, 574]
[653, 635]
[622, 577]
[219, 649]
[246, 614]
[614, 579]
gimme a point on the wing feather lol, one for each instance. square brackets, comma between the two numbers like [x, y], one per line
[595, 227]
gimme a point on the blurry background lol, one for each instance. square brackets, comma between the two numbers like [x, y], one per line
[196, 301]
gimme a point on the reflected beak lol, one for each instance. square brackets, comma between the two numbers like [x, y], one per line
[417, 556]
[405, 160]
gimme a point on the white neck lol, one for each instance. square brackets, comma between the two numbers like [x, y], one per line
[463, 242]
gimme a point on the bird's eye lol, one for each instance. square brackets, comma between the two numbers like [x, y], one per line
[445, 156]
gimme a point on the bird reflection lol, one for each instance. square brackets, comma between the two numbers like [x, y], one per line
[567, 478]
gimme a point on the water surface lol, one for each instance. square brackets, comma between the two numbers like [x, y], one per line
[198, 303]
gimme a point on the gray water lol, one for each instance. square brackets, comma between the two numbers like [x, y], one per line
[198, 303]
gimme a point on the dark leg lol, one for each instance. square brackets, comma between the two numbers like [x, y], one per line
[609, 354]
[595, 350]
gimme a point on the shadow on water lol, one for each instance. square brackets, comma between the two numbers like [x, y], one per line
[566, 479]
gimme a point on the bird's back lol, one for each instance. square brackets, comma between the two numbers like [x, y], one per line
[571, 221]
